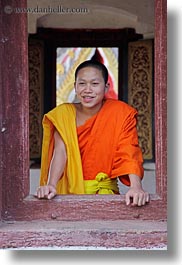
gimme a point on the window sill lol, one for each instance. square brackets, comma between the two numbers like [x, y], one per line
[98, 234]
[85, 207]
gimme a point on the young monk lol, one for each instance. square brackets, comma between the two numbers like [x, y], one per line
[87, 145]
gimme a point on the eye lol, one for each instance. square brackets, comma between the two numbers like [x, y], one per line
[81, 83]
[95, 83]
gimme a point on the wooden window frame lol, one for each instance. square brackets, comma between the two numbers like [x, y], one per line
[16, 203]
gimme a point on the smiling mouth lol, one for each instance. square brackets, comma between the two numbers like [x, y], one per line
[89, 97]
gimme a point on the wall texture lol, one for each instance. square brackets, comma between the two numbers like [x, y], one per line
[92, 14]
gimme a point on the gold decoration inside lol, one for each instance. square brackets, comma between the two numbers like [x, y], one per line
[140, 91]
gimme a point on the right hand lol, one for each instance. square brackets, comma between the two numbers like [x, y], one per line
[46, 192]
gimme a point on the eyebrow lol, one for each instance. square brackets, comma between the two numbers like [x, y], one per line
[95, 79]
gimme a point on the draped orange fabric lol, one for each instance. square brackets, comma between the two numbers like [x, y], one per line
[108, 143]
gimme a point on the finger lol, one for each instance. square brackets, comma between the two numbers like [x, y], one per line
[51, 195]
[42, 191]
[52, 192]
[147, 197]
[38, 193]
[144, 200]
[127, 199]
[135, 199]
[45, 192]
[140, 200]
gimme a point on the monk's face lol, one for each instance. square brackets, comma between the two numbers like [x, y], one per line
[90, 87]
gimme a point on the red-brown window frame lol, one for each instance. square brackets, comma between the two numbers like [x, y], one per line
[16, 204]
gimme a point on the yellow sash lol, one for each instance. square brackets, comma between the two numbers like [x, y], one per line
[102, 184]
[63, 118]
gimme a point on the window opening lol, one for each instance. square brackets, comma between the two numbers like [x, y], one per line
[67, 59]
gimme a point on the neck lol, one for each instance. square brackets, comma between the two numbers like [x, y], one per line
[91, 111]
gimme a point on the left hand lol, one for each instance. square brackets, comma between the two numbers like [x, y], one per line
[138, 195]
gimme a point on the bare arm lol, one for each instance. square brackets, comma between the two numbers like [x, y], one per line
[136, 192]
[56, 169]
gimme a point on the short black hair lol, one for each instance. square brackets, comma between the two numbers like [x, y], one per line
[95, 64]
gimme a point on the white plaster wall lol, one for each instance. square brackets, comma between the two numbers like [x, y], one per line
[149, 183]
[107, 14]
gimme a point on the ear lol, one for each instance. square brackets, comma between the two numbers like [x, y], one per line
[75, 86]
[107, 86]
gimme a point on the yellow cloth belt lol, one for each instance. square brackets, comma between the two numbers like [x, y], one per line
[102, 184]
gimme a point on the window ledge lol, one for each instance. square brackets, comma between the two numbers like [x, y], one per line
[115, 234]
[85, 207]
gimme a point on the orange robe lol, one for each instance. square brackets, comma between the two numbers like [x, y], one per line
[108, 143]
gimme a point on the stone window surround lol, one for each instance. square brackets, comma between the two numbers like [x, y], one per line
[16, 204]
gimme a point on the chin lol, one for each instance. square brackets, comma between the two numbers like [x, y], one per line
[92, 105]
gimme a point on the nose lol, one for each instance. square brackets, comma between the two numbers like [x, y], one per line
[88, 88]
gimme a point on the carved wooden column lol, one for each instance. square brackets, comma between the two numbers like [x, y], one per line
[160, 97]
[14, 104]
